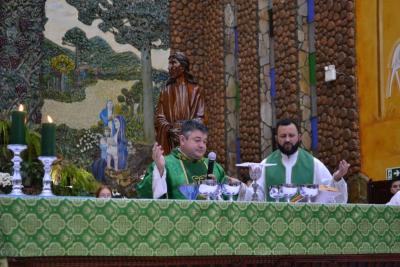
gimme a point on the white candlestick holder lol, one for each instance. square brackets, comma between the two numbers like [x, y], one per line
[16, 179]
[47, 161]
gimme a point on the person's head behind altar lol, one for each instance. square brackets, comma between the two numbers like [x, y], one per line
[394, 186]
[103, 192]
[288, 137]
[193, 139]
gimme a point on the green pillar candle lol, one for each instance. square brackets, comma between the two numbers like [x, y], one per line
[18, 127]
[48, 139]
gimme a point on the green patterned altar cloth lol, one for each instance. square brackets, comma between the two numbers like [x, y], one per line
[118, 227]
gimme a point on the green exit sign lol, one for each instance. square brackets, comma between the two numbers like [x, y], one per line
[393, 173]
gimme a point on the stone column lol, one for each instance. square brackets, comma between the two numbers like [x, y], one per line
[266, 62]
[231, 87]
[338, 126]
[305, 86]
[213, 24]
[250, 135]
[286, 59]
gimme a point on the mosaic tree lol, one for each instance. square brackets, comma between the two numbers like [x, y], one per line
[62, 64]
[142, 24]
[132, 96]
[75, 37]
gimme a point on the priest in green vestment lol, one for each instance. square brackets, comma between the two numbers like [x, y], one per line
[295, 165]
[185, 164]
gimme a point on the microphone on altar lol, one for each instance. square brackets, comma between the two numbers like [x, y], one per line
[211, 159]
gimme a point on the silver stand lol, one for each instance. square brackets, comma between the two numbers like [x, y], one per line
[16, 179]
[47, 161]
[255, 197]
[255, 174]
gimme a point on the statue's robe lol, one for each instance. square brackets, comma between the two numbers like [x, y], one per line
[178, 102]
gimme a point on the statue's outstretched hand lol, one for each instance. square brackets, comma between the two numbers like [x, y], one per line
[158, 157]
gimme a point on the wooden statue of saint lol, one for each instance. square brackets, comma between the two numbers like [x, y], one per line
[181, 99]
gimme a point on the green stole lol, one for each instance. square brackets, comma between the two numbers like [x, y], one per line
[302, 171]
[180, 170]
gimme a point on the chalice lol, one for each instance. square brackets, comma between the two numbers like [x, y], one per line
[231, 188]
[208, 187]
[275, 191]
[309, 191]
[288, 191]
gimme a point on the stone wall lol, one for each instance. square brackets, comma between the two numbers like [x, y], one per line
[286, 60]
[215, 77]
[187, 34]
[249, 118]
[338, 130]
[292, 57]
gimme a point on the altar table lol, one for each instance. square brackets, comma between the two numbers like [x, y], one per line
[40, 227]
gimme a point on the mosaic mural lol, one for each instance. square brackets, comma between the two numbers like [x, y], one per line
[96, 74]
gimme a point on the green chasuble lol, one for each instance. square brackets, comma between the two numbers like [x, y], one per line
[180, 170]
[302, 171]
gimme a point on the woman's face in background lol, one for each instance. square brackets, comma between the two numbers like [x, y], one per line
[117, 124]
[109, 104]
[105, 193]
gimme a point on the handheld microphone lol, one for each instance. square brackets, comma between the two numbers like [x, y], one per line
[211, 159]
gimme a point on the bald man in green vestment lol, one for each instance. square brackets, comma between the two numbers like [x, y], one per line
[185, 164]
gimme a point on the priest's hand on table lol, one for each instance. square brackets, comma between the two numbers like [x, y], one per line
[158, 157]
[233, 180]
[228, 179]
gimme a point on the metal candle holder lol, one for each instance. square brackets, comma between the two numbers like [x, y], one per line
[47, 161]
[16, 178]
